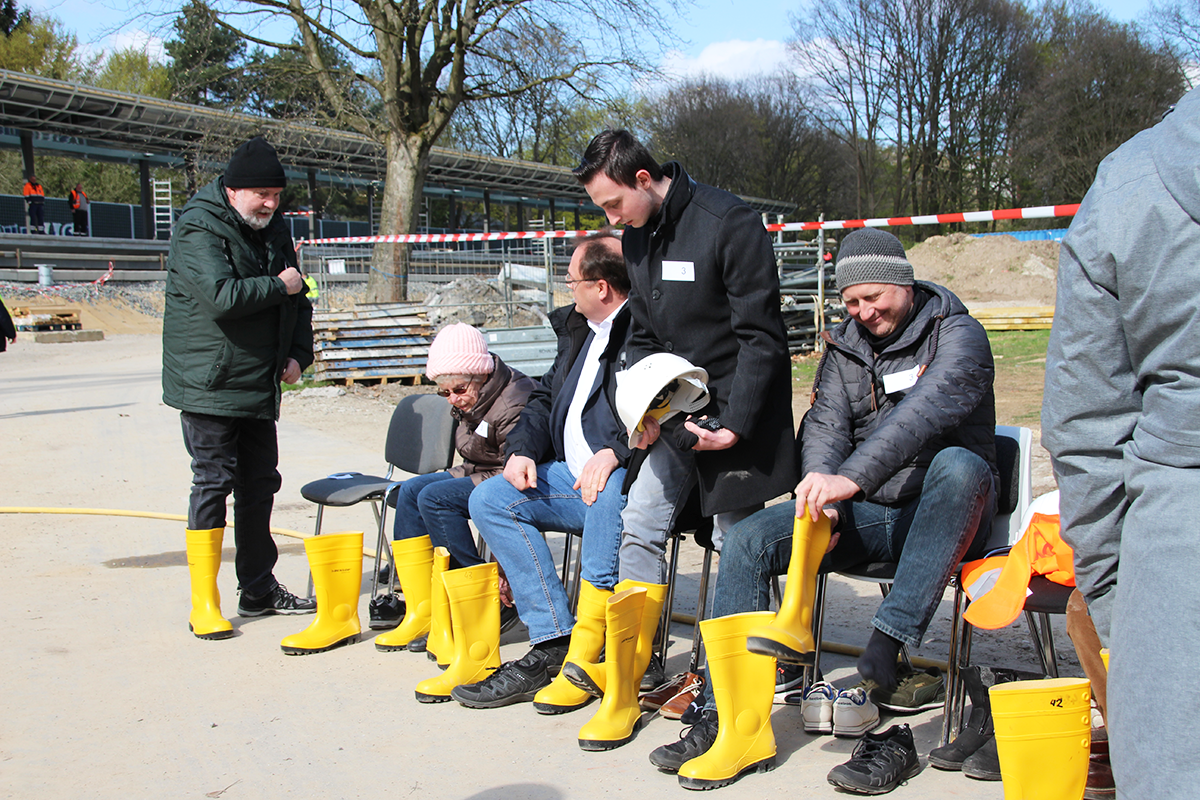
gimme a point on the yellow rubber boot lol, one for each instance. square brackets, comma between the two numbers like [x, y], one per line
[335, 561]
[789, 638]
[743, 685]
[1043, 737]
[619, 715]
[474, 594]
[414, 570]
[441, 630]
[204, 561]
[587, 640]
[591, 677]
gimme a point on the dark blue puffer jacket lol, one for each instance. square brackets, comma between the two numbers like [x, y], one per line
[885, 442]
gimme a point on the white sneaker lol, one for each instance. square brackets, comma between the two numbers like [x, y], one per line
[816, 709]
[853, 713]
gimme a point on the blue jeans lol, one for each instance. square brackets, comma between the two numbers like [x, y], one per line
[435, 505]
[926, 537]
[511, 523]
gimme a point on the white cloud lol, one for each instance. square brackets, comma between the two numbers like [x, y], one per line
[127, 39]
[734, 59]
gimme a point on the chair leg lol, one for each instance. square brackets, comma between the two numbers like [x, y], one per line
[701, 610]
[663, 638]
[811, 673]
[573, 587]
[1048, 647]
[1036, 637]
[383, 550]
[317, 532]
[952, 709]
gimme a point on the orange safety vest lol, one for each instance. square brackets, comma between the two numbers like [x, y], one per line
[34, 191]
[998, 585]
[75, 199]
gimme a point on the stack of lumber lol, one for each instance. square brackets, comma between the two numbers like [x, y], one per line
[46, 318]
[372, 342]
[1026, 318]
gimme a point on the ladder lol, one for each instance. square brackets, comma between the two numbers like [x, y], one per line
[164, 215]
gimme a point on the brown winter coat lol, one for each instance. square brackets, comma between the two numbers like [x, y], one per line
[500, 403]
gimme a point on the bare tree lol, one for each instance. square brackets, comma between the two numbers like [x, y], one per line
[1099, 84]
[1177, 22]
[419, 61]
[843, 47]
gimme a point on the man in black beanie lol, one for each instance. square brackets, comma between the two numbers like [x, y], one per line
[236, 323]
[898, 450]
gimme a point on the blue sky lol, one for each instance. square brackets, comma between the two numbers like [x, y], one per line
[731, 38]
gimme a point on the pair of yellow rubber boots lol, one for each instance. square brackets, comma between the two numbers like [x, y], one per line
[625, 630]
[336, 563]
[459, 609]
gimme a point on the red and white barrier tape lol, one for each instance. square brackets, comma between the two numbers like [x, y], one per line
[1034, 212]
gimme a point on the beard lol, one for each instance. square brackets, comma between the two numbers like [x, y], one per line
[256, 222]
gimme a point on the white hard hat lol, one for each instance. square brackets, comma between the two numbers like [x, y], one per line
[660, 385]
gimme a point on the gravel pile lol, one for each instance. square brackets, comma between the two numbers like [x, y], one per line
[146, 298]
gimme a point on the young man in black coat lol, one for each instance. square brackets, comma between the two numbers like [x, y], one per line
[704, 286]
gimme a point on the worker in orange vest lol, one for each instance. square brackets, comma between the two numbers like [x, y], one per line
[35, 199]
[79, 209]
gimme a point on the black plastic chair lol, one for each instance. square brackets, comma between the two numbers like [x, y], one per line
[420, 440]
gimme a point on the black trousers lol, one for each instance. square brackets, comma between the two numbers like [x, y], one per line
[234, 455]
[36, 215]
[80, 222]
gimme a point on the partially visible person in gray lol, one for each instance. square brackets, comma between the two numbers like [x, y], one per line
[1121, 419]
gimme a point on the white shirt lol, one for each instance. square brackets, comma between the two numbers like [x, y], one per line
[574, 442]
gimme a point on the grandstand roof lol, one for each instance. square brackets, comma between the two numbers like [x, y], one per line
[114, 126]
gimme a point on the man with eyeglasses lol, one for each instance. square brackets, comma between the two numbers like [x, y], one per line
[567, 458]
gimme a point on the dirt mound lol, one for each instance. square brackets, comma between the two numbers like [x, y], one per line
[989, 271]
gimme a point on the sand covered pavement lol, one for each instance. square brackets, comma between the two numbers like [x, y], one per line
[107, 694]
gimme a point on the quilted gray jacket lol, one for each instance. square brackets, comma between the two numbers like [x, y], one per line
[885, 442]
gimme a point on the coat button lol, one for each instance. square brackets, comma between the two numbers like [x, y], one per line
[656, 294]
[670, 347]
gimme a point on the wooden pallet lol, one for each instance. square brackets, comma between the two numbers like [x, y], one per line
[1026, 318]
[379, 342]
[47, 318]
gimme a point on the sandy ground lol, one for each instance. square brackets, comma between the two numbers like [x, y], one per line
[107, 695]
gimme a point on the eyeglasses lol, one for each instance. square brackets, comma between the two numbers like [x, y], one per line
[572, 281]
[461, 389]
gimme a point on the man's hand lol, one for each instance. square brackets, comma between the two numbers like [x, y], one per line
[650, 432]
[720, 439]
[521, 472]
[595, 475]
[292, 280]
[818, 490]
[291, 371]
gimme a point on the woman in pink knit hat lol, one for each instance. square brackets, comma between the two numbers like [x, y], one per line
[487, 396]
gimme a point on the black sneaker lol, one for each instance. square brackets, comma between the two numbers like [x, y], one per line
[693, 742]
[386, 611]
[881, 762]
[788, 678]
[508, 617]
[691, 715]
[277, 601]
[515, 681]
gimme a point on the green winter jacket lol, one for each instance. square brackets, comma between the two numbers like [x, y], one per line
[229, 324]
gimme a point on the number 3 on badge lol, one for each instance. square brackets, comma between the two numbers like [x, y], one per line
[678, 271]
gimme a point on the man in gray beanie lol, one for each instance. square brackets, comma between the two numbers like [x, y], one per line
[899, 451]
[236, 323]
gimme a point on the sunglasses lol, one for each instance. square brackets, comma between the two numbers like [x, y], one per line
[461, 389]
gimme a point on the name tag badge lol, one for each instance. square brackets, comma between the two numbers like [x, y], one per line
[678, 271]
[899, 381]
[482, 428]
